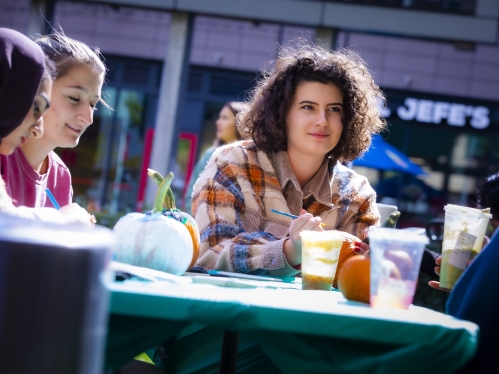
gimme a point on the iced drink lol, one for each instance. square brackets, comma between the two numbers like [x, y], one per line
[395, 261]
[464, 231]
[320, 252]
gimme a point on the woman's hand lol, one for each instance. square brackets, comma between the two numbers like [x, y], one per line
[436, 284]
[357, 245]
[292, 246]
[438, 261]
[73, 213]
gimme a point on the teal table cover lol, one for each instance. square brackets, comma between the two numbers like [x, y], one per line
[282, 330]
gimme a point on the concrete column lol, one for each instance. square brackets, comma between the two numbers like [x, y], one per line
[172, 80]
[326, 36]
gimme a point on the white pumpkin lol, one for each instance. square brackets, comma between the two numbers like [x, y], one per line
[153, 240]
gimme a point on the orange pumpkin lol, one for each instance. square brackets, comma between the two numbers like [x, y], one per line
[345, 253]
[354, 280]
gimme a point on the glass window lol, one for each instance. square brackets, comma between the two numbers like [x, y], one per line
[105, 165]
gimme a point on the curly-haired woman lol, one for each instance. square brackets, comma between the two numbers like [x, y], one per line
[314, 110]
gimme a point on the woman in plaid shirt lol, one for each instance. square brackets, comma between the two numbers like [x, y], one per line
[314, 110]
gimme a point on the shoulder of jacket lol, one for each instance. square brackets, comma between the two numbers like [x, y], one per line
[236, 151]
[349, 179]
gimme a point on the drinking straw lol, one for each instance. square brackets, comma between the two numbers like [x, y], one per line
[290, 215]
[53, 200]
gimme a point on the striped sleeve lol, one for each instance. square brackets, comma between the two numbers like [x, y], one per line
[226, 209]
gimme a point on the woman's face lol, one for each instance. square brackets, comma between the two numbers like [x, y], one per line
[226, 126]
[74, 97]
[313, 122]
[32, 124]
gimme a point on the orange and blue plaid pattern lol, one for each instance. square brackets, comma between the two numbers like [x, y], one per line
[233, 197]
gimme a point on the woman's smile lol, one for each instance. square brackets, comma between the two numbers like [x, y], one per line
[318, 135]
[74, 129]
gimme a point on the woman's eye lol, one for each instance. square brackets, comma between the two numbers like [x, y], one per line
[74, 99]
[36, 108]
[335, 109]
[308, 107]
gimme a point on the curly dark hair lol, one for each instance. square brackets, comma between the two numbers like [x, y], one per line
[273, 95]
[488, 195]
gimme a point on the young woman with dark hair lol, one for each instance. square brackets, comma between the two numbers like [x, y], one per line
[315, 109]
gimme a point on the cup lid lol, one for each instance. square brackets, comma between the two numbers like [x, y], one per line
[322, 235]
[458, 209]
[396, 235]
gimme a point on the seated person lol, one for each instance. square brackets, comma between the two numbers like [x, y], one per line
[314, 110]
[76, 90]
[474, 298]
[25, 89]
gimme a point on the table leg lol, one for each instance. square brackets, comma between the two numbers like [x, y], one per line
[229, 352]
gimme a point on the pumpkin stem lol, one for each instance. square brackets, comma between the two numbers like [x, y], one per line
[161, 194]
[169, 201]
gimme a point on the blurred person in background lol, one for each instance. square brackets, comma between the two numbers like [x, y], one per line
[315, 109]
[227, 132]
[25, 90]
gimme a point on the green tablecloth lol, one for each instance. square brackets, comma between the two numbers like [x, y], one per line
[282, 330]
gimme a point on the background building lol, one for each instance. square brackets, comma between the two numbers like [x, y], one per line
[173, 64]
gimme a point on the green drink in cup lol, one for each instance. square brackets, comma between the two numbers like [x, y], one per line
[464, 231]
[320, 253]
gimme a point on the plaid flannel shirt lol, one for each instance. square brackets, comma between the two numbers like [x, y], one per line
[233, 197]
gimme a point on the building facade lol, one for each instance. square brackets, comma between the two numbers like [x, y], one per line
[442, 91]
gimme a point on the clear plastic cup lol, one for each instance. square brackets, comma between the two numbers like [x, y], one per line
[395, 262]
[320, 252]
[464, 231]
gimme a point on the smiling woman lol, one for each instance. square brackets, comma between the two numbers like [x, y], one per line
[314, 110]
[75, 93]
[25, 85]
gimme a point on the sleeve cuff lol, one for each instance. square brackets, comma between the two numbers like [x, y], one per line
[275, 262]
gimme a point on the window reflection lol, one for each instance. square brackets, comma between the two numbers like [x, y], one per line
[105, 166]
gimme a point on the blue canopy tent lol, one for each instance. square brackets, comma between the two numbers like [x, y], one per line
[383, 156]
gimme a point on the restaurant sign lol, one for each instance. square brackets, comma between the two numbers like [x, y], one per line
[436, 111]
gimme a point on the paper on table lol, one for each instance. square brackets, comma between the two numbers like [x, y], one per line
[146, 273]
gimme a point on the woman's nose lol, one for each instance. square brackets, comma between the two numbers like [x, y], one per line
[36, 129]
[86, 116]
[321, 119]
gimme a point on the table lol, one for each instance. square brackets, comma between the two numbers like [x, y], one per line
[290, 331]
